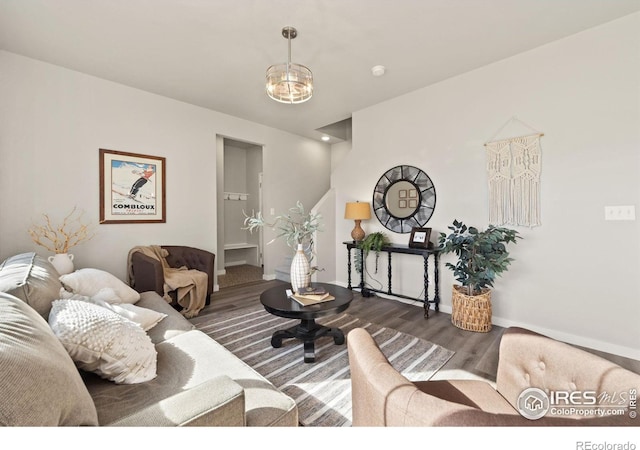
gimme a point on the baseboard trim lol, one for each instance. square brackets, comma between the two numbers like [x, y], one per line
[573, 339]
[235, 263]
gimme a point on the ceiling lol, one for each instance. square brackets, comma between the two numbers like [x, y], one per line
[214, 53]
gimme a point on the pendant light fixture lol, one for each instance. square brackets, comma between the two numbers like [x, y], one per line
[289, 82]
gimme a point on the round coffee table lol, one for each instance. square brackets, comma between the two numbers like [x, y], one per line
[276, 301]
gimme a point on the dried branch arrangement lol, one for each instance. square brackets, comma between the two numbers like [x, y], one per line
[59, 239]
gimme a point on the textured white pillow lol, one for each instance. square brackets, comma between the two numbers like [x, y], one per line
[145, 317]
[101, 341]
[96, 282]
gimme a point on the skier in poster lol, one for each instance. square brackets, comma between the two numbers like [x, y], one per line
[144, 178]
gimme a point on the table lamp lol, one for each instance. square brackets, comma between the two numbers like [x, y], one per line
[357, 211]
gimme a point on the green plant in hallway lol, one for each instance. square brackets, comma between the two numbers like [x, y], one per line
[372, 242]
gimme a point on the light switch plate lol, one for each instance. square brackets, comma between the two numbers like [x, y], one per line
[625, 212]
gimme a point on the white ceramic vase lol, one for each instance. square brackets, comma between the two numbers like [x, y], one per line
[300, 270]
[62, 262]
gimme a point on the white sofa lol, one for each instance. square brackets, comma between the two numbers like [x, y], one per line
[198, 381]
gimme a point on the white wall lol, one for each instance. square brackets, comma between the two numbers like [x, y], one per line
[574, 277]
[292, 171]
[324, 240]
[235, 180]
[254, 167]
[52, 123]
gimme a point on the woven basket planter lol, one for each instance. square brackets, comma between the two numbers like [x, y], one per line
[471, 313]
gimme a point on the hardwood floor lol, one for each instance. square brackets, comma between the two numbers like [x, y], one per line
[476, 354]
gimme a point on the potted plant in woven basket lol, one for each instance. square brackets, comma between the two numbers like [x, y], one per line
[482, 256]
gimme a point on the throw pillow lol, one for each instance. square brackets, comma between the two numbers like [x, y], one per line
[103, 342]
[32, 279]
[41, 385]
[91, 282]
[145, 317]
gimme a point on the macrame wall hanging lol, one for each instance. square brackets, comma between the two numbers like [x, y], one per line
[513, 168]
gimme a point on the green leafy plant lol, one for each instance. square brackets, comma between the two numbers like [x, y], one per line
[482, 255]
[296, 227]
[372, 242]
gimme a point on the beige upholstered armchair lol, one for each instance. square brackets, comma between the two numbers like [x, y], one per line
[381, 396]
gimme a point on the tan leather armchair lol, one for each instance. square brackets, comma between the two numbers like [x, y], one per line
[381, 396]
[149, 276]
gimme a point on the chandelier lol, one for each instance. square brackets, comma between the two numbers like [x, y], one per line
[289, 82]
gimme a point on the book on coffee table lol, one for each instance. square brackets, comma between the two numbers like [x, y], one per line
[311, 290]
[312, 299]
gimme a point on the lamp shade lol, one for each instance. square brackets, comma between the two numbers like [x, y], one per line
[357, 211]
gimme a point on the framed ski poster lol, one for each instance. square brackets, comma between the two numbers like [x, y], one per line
[132, 188]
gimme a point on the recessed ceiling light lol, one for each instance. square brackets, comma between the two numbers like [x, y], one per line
[325, 138]
[378, 71]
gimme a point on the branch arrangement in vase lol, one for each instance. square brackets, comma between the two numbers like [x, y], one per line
[297, 227]
[61, 238]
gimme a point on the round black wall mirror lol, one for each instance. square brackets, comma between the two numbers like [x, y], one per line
[404, 198]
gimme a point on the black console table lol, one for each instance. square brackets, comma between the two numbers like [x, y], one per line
[397, 248]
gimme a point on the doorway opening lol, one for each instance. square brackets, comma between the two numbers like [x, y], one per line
[242, 255]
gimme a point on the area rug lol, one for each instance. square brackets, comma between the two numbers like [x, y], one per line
[322, 390]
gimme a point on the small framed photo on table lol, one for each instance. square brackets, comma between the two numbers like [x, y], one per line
[419, 237]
